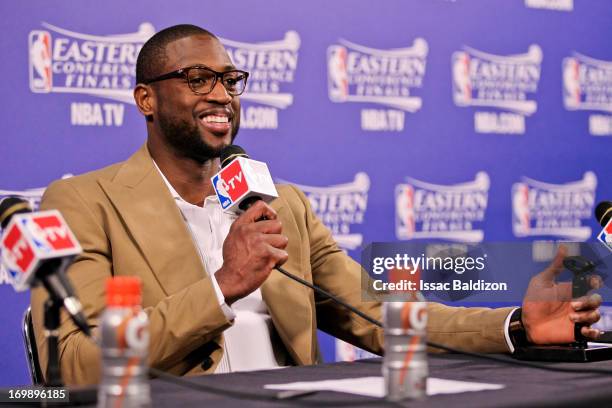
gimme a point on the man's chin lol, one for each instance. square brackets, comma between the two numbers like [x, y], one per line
[214, 145]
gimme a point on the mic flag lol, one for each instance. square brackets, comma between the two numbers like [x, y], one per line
[30, 239]
[242, 181]
[603, 213]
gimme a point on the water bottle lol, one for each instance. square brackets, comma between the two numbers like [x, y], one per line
[124, 331]
[405, 367]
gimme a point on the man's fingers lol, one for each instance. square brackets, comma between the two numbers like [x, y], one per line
[279, 256]
[587, 303]
[586, 309]
[556, 266]
[590, 317]
[277, 240]
[267, 227]
[256, 212]
[590, 333]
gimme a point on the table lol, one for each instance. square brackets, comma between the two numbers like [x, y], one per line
[525, 387]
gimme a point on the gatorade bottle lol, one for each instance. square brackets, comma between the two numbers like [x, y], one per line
[124, 330]
[405, 368]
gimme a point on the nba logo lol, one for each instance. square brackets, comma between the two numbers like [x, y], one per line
[337, 73]
[219, 186]
[605, 236]
[520, 209]
[404, 202]
[234, 180]
[571, 82]
[461, 77]
[41, 78]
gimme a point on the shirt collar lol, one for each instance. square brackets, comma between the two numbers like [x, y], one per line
[176, 195]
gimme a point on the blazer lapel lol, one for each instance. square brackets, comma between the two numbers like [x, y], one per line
[289, 301]
[153, 219]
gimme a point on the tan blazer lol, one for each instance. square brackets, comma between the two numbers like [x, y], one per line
[128, 224]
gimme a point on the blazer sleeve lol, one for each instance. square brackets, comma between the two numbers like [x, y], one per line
[179, 324]
[472, 329]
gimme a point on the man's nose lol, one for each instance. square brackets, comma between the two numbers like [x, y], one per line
[219, 94]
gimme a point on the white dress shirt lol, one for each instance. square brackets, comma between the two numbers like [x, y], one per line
[252, 342]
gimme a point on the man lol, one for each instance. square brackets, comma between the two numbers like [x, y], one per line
[213, 301]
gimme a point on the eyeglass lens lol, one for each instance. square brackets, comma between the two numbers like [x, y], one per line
[202, 81]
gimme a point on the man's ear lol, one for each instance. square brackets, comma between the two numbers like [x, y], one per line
[145, 100]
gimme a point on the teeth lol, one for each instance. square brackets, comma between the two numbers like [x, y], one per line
[215, 119]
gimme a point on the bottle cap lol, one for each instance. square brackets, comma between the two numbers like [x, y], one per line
[123, 291]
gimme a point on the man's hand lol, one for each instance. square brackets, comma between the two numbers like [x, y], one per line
[250, 251]
[549, 312]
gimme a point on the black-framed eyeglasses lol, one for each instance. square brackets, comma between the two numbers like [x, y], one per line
[202, 80]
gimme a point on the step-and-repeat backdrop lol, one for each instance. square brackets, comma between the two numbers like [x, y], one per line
[456, 120]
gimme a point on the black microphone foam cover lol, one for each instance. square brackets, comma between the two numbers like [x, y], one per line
[603, 212]
[10, 206]
[230, 152]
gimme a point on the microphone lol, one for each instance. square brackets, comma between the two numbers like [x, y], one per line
[234, 154]
[10, 206]
[242, 181]
[603, 212]
[37, 247]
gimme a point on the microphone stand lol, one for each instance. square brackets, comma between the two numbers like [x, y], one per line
[53, 378]
[579, 350]
[52, 321]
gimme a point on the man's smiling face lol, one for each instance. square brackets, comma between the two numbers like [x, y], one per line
[196, 126]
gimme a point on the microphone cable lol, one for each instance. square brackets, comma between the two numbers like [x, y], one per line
[500, 359]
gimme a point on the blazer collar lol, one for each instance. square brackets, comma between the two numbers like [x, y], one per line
[152, 217]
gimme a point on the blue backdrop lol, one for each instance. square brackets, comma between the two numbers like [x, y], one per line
[477, 120]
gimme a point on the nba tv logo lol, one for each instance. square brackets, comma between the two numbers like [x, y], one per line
[41, 77]
[230, 184]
